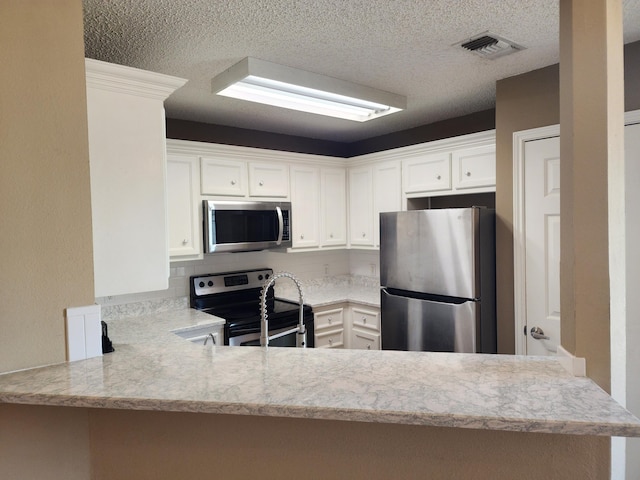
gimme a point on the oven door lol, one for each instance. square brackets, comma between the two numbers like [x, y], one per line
[253, 339]
[246, 226]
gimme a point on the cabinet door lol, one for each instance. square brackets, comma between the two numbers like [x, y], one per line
[334, 206]
[387, 193]
[268, 180]
[427, 173]
[360, 207]
[305, 205]
[183, 193]
[474, 167]
[223, 177]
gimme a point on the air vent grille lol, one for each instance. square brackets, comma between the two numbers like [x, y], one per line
[489, 45]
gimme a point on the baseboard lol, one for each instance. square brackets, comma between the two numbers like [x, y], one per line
[576, 366]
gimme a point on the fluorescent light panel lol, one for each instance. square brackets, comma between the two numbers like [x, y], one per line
[265, 82]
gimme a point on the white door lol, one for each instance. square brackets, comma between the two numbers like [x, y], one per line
[542, 244]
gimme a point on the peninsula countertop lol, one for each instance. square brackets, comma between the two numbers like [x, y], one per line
[495, 392]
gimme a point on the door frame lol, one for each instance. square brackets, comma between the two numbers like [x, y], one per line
[519, 268]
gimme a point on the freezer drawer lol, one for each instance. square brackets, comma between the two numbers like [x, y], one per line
[416, 324]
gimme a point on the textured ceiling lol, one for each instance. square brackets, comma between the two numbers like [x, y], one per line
[402, 46]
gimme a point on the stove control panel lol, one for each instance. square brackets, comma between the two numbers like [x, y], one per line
[228, 282]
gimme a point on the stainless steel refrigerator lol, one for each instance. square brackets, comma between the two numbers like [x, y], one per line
[437, 277]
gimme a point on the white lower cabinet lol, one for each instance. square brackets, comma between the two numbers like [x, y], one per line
[347, 325]
[329, 327]
[364, 327]
[364, 340]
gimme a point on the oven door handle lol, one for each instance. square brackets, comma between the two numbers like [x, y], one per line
[282, 334]
[280, 225]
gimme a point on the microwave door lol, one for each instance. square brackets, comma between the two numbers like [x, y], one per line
[246, 226]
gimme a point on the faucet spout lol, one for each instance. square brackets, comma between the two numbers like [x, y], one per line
[300, 330]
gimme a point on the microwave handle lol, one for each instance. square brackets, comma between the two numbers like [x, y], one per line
[280, 225]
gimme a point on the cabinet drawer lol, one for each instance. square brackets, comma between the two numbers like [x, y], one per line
[365, 340]
[365, 319]
[428, 173]
[223, 177]
[329, 338]
[329, 318]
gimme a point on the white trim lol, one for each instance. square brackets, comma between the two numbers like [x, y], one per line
[519, 294]
[479, 139]
[119, 78]
[576, 366]
[187, 147]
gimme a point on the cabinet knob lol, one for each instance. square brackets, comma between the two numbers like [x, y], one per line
[302, 237]
[368, 347]
[233, 182]
[185, 241]
[329, 320]
[331, 341]
[261, 183]
[331, 235]
[364, 235]
[364, 319]
[438, 177]
[468, 174]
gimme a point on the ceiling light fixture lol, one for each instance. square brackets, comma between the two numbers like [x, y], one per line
[265, 82]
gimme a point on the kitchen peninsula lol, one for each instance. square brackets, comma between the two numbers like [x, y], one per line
[318, 402]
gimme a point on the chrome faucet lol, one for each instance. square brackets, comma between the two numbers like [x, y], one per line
[301, 337]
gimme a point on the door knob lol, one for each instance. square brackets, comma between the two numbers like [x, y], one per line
[538, 334]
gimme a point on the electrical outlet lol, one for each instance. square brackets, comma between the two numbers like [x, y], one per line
[373, 268]
[326, 269]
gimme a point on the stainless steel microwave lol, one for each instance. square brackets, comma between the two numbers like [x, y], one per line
[231, 226]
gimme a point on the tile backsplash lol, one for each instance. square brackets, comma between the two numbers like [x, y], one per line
[305, 265]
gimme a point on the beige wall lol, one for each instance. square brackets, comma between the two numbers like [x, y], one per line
[527, 101]
[45, 218]
[45, 210]
[128, 444]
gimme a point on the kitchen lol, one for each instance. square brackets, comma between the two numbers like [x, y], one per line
[43, 351]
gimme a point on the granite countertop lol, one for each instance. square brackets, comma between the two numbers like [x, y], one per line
[496, 392]
[324, 291]
[152, 368]
[159, 328]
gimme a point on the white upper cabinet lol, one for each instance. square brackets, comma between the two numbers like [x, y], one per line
[334, 207]
[228, 173]
[183, 206]
[224, 177]
[318, 201]
[427, 173]
[387, 192]
[305, 205]
[125, 115]
[459, 165]
[361, 206]
[474, 167]
[268, 180]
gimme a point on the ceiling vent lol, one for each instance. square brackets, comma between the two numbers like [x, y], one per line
[489, 45]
